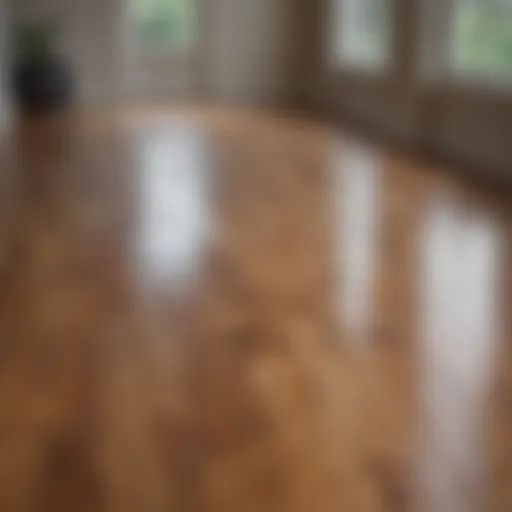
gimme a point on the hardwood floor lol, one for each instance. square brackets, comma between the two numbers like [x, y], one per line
[206, 310]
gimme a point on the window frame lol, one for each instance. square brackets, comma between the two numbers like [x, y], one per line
[473, 79]
[435, 68]
[161, 51]
[347, 64]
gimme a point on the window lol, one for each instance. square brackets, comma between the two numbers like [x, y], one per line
[483, 36]
[362, 32]
[162, 24]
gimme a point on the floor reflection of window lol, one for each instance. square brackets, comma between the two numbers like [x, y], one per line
[458, 292]
[356, 202]
[174, 216]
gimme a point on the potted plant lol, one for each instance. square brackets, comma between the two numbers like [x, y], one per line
[42, 78]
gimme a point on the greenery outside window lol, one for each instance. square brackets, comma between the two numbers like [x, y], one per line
[160, 25]
[483, 37]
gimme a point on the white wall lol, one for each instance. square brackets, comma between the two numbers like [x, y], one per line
[253, 51]
[249, 51]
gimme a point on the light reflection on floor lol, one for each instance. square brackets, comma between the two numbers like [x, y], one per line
[457, 343]
[174, 212]
[356, 202]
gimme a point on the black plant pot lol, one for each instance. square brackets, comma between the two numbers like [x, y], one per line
[43, 84]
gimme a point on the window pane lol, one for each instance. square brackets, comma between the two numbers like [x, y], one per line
[362, 32]
[483, 36]
[163, 23]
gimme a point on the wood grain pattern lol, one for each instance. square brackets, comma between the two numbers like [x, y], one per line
[213, 310]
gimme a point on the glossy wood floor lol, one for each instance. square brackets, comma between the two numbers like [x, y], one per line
[214, 311]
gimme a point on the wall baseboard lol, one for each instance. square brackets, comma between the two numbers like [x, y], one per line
[485, 174]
